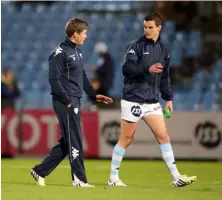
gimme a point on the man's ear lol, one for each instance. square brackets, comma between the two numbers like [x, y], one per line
[160, 27]
[75, 34]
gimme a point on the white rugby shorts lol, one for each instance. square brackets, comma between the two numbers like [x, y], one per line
[133, 112]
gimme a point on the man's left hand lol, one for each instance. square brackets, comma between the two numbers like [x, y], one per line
[169, 104]
[103, 99]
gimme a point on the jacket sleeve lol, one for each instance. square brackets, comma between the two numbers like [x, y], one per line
[133, 66]
[88, 87]
[56, 63]
[165, 85]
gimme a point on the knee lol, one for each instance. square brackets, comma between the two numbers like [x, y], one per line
[163, 139]
[126, 140]
[129, 140]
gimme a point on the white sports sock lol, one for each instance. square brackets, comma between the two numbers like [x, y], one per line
[117, 156]
[168, 157]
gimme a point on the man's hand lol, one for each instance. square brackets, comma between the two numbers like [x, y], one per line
[169, 104]
[103, 99]
[69, 105]
[156, 68]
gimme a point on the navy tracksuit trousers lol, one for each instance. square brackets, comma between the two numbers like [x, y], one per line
[69, 144]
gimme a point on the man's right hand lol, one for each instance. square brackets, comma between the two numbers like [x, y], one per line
[69, 105]
[156, 68]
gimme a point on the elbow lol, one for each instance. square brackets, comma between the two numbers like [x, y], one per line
[51, 81]
[124, 71]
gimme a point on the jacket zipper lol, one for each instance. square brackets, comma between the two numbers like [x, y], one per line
[77, 54]
[68, 70]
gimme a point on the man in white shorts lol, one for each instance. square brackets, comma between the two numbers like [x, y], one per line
[146, 74]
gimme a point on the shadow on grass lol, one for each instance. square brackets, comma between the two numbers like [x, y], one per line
[30, 184]
[105, 186]
[188, 188]
[48, 184]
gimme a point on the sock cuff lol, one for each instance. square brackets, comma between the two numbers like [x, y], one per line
[165, 147]
[119, 150]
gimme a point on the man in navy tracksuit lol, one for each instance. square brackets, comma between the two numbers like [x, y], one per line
[146, 74]
[67, 78]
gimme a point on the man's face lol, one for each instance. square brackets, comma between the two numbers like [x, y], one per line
[80, 37]
[9, 75]
[151, 31]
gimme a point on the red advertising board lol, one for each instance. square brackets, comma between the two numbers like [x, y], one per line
[40, 131]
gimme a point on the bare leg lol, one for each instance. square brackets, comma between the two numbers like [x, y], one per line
[158, 127]
[126, 137]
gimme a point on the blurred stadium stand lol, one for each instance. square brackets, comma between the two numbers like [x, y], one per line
[30, 31]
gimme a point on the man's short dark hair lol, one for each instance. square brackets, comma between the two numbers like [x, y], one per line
[154, 17]
[75, 25]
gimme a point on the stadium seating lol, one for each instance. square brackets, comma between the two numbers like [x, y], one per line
[29, 34]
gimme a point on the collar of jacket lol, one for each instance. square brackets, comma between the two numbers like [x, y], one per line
[70, 43]
[150, 40]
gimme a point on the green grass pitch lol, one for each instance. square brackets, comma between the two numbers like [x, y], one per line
[146, 180]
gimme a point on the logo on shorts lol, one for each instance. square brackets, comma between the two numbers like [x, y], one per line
[136, 111]
[156, 108]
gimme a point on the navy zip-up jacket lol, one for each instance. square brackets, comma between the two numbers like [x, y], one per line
[139, 84]
[67, 76]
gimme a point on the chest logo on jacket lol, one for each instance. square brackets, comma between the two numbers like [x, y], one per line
[73, 56]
